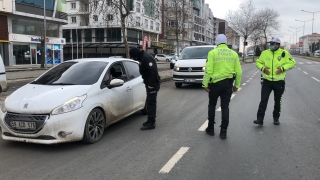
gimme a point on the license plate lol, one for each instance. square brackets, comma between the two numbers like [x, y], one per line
[189, 80]
[23, 125]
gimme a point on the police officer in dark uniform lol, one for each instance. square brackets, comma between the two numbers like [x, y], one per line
[151, 79]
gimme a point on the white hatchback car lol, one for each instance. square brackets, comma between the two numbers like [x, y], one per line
[191, 65]
[160, 57]
[317, 53]
[75, 100]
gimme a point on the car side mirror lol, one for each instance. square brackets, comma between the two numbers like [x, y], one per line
[115, 83]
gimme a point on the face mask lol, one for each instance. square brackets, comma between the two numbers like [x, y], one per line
[272, 48]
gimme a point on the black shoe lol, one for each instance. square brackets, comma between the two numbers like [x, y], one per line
[210, 131]
[148, 126]
[276, 121]
[223, 133]
[145, 123]
[259, 122]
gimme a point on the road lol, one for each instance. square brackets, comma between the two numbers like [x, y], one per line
[179, 149]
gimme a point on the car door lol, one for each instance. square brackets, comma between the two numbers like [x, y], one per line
[138, 87]
[118, 100]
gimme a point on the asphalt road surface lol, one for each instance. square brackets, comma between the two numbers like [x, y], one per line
[179, 148]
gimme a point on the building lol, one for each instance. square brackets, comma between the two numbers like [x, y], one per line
[94, 28]
[220, 26]
[5, 9]
[25, 23]
[305, 43]
[233, 39]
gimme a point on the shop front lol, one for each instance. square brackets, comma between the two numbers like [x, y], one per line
[27, 50]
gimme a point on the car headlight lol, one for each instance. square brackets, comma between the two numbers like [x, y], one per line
[71, 105]
[176, 68]
[3, 107]
[203, 68]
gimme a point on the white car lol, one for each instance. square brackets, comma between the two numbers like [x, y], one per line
[317, 53]
[160, 57]
[73, 101]
[191, 65]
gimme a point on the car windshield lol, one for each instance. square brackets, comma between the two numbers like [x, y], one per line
[73, 73]
[195, 53]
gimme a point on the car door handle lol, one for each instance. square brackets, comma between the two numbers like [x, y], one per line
[129, 88]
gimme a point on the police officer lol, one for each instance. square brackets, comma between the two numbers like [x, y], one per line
[151, 79]
[222, 68]
[274, 63]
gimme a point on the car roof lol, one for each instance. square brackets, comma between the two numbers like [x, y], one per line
[110, 60]
[200, 46]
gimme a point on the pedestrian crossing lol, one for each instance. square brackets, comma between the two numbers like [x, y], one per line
[308, 63]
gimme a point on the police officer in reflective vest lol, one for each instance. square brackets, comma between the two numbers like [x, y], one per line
[222, 68]
[274, 63]
[149, 71]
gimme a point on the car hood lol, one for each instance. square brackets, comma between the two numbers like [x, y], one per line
[42, 99]
[191, 63]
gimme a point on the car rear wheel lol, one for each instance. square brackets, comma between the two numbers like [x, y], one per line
[178, 85]
[94, 127]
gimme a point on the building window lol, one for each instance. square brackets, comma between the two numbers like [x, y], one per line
[130, 5]
[110, 17]
[149, 8]
[99, 35]
[21, 53]
[158, 27]
[132, 36]
[113, 34]
[95, 17]
[109, 2]
[138, 21]
[66, 35]
[146, 23]
[138, 6]
[74, 19]
[95, 4]
[87, 35]
[73, 6]
[151, 25]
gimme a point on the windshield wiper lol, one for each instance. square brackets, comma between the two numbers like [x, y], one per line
[62, 84]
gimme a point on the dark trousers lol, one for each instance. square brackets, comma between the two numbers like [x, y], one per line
[278, 88]
[222, 89]
[151, 103]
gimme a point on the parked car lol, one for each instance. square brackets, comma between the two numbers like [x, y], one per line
[191, 65]
[251, 53]
[317, 53]
[170, 56]
[160, 57]
[173, 61]
[75, 100]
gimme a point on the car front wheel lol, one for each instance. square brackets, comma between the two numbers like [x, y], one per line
[94, 127]
[178, 85]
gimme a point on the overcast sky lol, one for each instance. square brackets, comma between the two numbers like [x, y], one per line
[289, 10]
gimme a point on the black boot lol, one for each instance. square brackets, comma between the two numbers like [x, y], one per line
[276, 121]
[223, 133]
[259, 121]
[148, 125]
[210, 128]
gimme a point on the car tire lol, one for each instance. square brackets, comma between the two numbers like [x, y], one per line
[178, 85]
[171, 66]
[167, 60]
[94, 128]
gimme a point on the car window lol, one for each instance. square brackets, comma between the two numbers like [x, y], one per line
[195, 53]
[133, 69]
[73, 73]
[115, 71]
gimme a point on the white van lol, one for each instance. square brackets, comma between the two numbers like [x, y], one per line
[3, 77]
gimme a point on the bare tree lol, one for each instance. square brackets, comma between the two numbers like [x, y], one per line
[255, 37]
[269, 23]
[244, 20]
[178, 19]
[231, 35]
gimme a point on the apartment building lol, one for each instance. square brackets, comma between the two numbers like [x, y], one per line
[94, 27]
[305, 43]
[24, 29]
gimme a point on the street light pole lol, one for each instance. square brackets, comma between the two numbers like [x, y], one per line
[312, 17]
[45, 33]
[296, 32]
[304, 25]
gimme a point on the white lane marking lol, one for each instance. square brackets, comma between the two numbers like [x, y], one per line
[251, 78]
[299, 68]
[309, 63]
[300, 63]
[316, 79]
[232, 96]
[244, 84]
[305, 72]
[167, 167]
[239, 89]
[204, 126]
[248, 81]
[317, 62]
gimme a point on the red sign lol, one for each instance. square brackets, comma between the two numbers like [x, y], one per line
[144, 43]
[300, 44]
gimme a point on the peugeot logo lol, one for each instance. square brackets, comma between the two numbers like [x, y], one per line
[190, 69]
[26, 105]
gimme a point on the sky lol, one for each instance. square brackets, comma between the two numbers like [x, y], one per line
[289, 10]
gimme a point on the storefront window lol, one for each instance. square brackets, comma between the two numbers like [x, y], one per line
[21, 54]
[99, 35]
[114, 34]
[37, 3]
[34, 27]
[87, 35]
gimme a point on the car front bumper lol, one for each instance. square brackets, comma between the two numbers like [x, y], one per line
[71, 123]
[187, 77]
